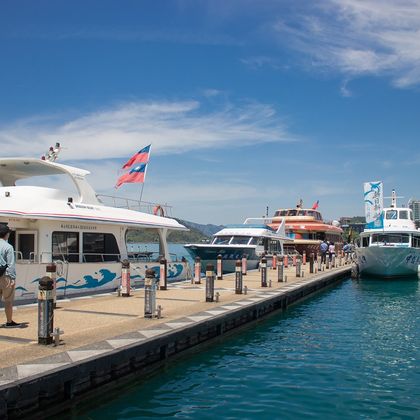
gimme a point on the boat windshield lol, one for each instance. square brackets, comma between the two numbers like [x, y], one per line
[221, 240]
[240, 240]
[390, 238]
[392, 215]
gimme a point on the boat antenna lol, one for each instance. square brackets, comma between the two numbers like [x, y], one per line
[394, 198]
[52, 153]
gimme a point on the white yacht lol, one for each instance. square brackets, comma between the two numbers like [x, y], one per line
[253, 238]
[74, 229]
[393, 249]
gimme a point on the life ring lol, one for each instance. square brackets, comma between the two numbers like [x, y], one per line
[158, 211]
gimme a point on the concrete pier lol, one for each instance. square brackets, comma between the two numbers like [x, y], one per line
[107, 337]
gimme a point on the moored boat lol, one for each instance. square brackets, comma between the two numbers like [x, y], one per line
[252, 239]
[74, 229]
[307, 228]
[390, 246]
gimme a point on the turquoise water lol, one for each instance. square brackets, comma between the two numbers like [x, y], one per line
[350, 352]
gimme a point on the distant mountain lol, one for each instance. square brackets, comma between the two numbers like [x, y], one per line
[207, 230]
[197, 233]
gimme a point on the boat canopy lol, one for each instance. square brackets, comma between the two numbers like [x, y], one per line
[15, 169]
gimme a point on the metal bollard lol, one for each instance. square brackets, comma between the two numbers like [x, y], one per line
[311, 263]
[51, 270]
[263, 266]
[285, 279]
[319, 261]
[294, 260]
[274, 263]
[269, 283]
[149, 294]
[280, 272]
[163, 274]
[125, 278]
[333, 261]
[209, 283]
[286, 261]
[217, 297]
[304, 258]
[245, 290]
[219, 267]
[45, 310]
[244, 265]
[298, 267]
[238, 277]
[197, 270]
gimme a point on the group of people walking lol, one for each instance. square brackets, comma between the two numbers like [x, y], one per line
[325, 248]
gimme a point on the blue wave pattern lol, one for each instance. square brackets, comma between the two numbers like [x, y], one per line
[350, 352]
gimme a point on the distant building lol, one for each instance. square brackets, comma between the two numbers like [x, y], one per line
[352, 225]
[414, 205]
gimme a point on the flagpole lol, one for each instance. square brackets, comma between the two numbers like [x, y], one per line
[145, 173]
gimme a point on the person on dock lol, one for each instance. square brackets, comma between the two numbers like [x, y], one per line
[323, 247]
[8, 276]
[331, 250]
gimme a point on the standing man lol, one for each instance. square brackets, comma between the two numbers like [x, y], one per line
[324, 249]
[7, 279]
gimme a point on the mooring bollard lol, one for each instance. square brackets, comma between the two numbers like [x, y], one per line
[245, 290]
[45, 310]
[333, 261]
[238, 277]
[149, 294]
[209, 283]
[280, 272]
[219, 267]
[274, 262]
[294, 260]
[51, 270]
[319, 261]
[298, 267]
[244, 265]
[286, 261]
[125, 278]
[163, 274]
[304, 258]
[311, 263]
[263, 266]
[197, 270]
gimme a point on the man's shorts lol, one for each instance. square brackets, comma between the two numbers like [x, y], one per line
[7, 289]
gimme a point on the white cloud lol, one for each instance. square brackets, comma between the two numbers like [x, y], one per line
[172, 127]
[357, 37]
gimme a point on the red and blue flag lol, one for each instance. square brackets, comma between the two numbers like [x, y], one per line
[135, 175]
[315, 205]
[142, 156]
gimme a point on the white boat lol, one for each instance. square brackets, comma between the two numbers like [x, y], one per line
[392, 250]
[253, 238]
[74, 229]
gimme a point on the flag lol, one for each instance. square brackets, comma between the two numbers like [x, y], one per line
[315, 205]
[142, 156]
[137, 174]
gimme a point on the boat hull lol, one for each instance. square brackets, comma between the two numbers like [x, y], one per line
[208, 255]
[388, 261]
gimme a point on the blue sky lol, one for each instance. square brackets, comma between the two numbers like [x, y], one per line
[247, 104]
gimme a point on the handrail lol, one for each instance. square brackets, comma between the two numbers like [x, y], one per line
[130, 204]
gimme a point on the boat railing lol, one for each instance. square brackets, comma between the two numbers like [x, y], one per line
[87, 257]
[137, 205]
[139, 256]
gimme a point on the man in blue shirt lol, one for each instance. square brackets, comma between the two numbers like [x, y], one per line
[323, 248]
[7, 280]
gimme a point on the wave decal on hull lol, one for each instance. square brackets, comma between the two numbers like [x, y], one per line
[91, 282]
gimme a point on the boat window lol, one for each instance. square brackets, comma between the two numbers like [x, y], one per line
[240, 240]
[390, 238]
[403, 214]
[254, 241]
[65, 246]
[391, 215]
[416, 242]
[221, 240]
[280, 213]
[411, 215]
[365, 241]
[98, 247]
[292, 213]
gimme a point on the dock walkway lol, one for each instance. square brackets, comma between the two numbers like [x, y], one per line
[107, 337]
